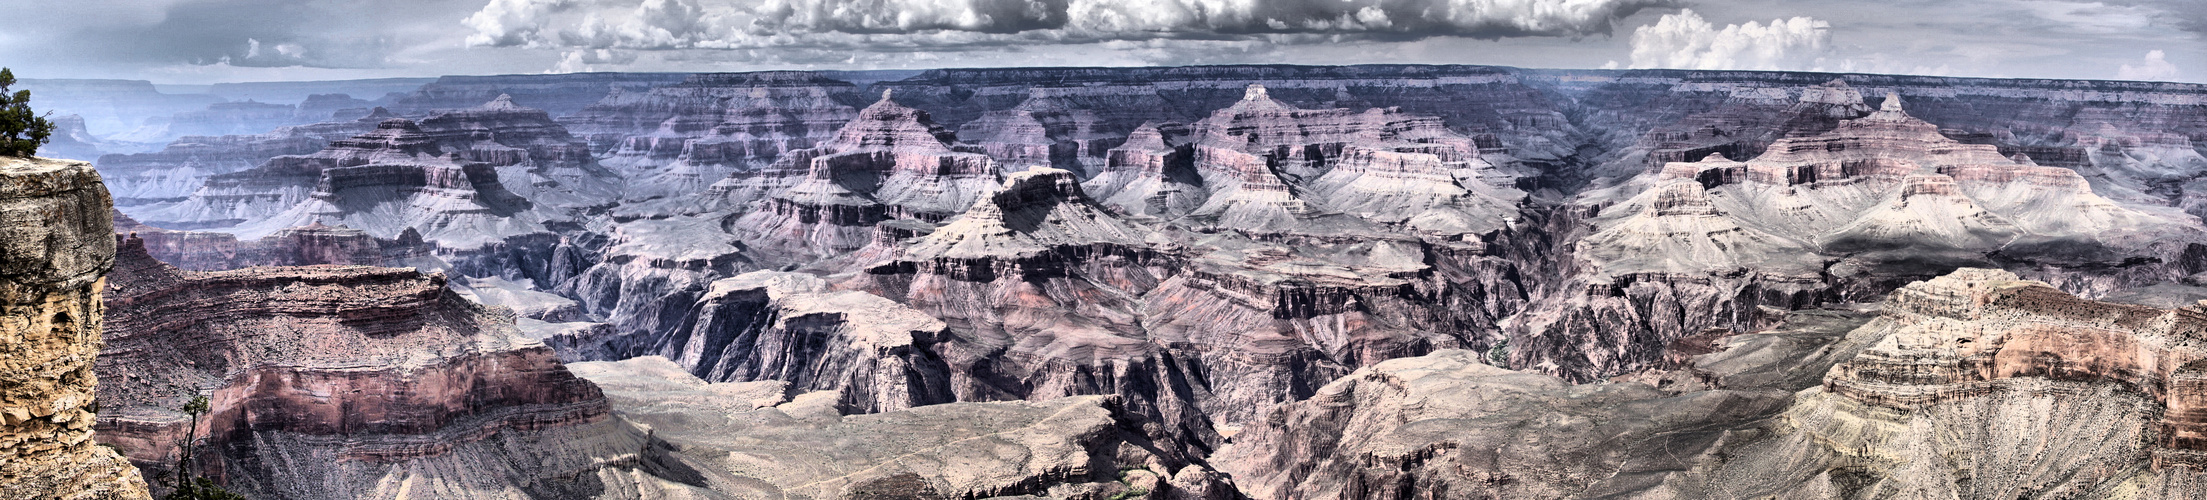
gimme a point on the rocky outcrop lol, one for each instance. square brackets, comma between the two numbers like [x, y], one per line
[2019, 386]
[52, 265]
[390, 183]
[298, 246]
[1152, 173]
[1842, 215]
[341, 382]
[677, 139]
[877, 354]
[1049, 129]
[892, 162]
[69, 140]
[1267, 165]
[651, 273]
[1447, 425]
[536, 158]
[753, 440]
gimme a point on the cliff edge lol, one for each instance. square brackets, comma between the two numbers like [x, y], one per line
[55, 251]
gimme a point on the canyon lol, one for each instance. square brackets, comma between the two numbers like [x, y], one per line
[1194, 282]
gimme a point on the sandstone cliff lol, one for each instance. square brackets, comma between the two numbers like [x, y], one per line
[52, 263]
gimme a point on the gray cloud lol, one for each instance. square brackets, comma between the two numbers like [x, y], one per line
[256, 33]
[918, 24]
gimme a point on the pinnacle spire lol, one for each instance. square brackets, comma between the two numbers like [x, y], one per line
[1892, 102]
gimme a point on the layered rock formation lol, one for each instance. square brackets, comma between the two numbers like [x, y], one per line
[1209, 244]
[1826, 217]
[892, 162]
[1152, 173]
[1267, 165]
[299, 246]
[342, 382]
[1049, 129]
[1977, 384]
[52, 263]
[678, 139]
[173, 173]
[753, 440]
[536, 158]
[650, 273]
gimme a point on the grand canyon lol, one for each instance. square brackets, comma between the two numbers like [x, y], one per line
[1191, 282]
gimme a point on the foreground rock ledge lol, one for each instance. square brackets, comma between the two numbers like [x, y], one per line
[54, 255]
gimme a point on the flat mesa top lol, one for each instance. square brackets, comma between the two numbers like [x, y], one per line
[17, 165]
[38, 177]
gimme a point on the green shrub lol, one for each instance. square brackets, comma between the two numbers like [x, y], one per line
[21, 131]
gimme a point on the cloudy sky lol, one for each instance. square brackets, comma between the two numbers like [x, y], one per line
[206, 41]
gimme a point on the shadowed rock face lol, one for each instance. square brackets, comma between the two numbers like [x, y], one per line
[51, 266]
[333, 381]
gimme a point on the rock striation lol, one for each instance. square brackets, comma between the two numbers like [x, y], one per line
[1828, 217]
[891, 162]
[342, 381]
[144, 180]
[678, 139]
[52, 266]
[536, 158]
[2021, 387]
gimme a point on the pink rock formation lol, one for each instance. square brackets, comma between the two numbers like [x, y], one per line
[374, 371]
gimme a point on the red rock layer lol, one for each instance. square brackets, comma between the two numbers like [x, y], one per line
[1966, 333]
[388, 358]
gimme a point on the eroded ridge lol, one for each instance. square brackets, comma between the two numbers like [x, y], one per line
[1974, 331]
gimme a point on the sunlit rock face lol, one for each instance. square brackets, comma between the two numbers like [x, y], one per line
[1268, 165]
[52, 267]
[891, 162]
[1827, 217]
[341, 382]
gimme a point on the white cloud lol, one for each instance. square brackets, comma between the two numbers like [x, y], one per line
[2156, 67]
[512, 22]
[1686, 41]
[585, 60]
[913, 25]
